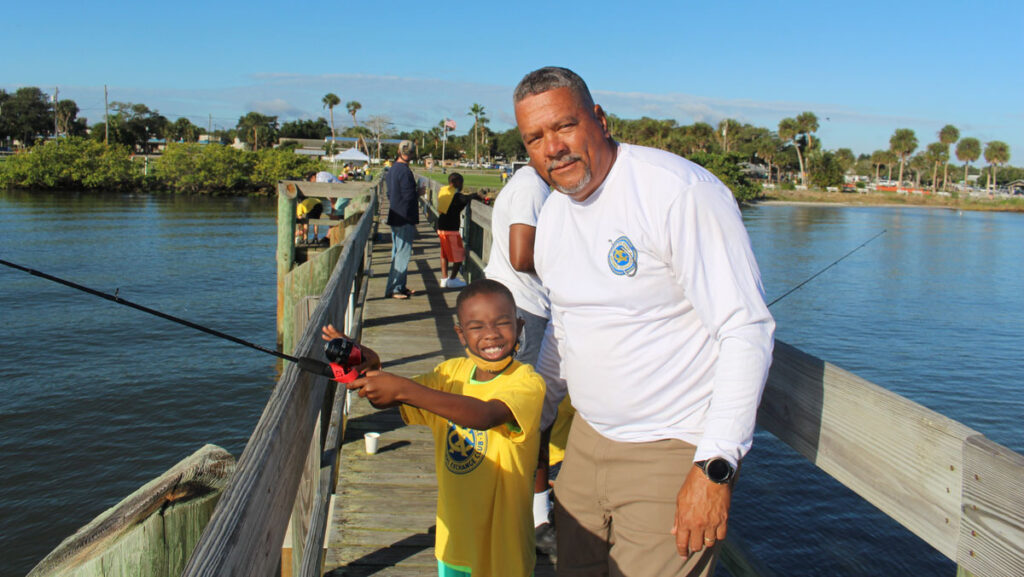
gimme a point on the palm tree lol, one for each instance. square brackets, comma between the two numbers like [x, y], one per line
[483, 122]
[918, 164]
[902, 143]
[353, 107]
[948, 135]
[890, 159]
[967, 151]
[807, 124]
[331, 100]
[938, 153]
[788, 131]
[996, 152]
[476, 111]
[767, 147]
[724, 127]
[878, 158]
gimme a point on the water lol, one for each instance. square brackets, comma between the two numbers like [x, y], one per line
[97, 399]
[930, 310]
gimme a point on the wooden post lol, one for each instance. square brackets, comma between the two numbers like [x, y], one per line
[286, 193]
[152, 532]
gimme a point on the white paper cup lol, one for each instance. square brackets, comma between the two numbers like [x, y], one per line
[371, 442]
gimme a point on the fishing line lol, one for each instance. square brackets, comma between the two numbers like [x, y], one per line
[834, 263]
[305, 363]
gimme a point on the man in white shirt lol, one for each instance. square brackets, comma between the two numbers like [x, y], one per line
[664, 338]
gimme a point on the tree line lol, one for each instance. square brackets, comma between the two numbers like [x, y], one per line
[788, 154]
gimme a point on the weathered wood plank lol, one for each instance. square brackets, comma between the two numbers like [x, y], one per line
[901, 457]
[350, 189]
[152, 531]
[992, 529]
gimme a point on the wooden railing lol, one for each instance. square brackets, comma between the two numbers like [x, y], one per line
[279, 478]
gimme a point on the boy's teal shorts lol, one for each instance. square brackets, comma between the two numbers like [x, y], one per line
[445, 570]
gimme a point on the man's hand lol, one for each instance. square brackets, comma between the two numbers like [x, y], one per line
[702, 512]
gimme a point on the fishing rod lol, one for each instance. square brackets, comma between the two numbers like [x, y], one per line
[342, 355]
[834, 263]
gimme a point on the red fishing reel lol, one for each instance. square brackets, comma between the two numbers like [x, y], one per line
[343, 354]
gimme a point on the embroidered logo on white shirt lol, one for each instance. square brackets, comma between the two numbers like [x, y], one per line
[622, 257]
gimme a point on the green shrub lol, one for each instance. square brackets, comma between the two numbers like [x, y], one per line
[204, 168]
[272, 165]
[727, 168]
[71, 163]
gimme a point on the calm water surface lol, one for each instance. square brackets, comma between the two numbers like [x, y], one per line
[97, 399]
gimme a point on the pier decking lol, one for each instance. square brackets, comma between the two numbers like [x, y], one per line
[382, 520]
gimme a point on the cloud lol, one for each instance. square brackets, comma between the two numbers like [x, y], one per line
[276, 107]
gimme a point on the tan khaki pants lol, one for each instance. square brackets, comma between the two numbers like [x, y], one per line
[615, 505]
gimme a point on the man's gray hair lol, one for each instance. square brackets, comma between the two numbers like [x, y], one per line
[550, 78]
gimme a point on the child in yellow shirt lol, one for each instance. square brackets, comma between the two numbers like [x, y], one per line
[484, 411]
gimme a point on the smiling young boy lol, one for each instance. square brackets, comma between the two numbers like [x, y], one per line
[484, 411]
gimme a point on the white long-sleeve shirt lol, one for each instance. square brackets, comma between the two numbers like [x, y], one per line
[657, 299]
[520, 202]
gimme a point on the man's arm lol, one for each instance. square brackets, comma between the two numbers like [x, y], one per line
[385, 389]
[520, 246]
[722, 281]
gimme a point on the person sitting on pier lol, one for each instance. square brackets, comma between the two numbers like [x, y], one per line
[451, 201]
[484, 412]
[307, 208]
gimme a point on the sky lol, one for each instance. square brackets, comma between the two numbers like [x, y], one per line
[865, 68]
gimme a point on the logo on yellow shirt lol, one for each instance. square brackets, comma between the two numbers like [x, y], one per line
[465, 449]
[622, 257]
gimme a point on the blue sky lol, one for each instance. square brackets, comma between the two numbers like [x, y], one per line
[864, 68]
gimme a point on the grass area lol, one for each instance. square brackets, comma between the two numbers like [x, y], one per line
[489, 179]
[895, 199]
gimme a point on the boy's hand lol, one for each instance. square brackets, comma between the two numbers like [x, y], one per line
[371, 360]
[383, 390]
[328, 333]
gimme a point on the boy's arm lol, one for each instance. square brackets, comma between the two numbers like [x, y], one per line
[386, 390]
[520, 246]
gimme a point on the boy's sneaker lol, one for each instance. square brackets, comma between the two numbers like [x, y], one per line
[444, 282]
[455, 283]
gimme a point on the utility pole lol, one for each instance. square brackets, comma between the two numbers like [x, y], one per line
[56, 124]
[106, 117]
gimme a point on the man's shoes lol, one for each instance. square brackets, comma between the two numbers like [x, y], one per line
[546, 540]
[444, 282]
[454, 283]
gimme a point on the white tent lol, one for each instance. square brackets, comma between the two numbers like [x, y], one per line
[351, 155]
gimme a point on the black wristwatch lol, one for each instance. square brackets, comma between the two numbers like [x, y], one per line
[717, 470]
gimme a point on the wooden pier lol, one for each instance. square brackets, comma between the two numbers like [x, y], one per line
[306, 500]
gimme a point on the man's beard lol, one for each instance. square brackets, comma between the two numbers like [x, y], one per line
[579, 186]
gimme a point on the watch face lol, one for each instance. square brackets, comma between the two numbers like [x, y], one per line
[719, 470]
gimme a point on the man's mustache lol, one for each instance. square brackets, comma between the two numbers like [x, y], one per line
[564, 161]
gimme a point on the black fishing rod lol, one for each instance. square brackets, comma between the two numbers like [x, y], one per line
[305, 363]
[834, 263]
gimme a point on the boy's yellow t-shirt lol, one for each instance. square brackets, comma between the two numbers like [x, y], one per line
[485, 478]
[444, 198]
[305, 206]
